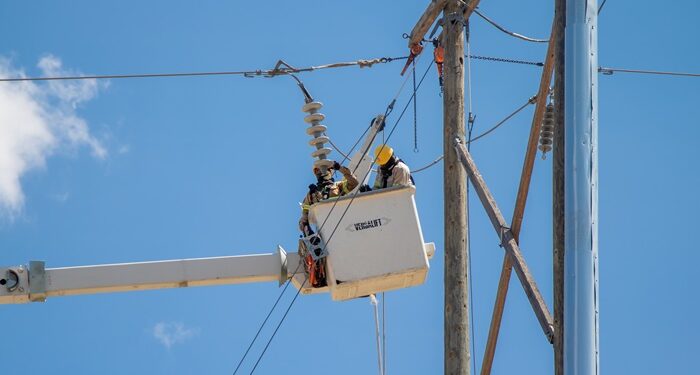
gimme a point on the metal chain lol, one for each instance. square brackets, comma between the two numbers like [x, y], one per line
[505, 60]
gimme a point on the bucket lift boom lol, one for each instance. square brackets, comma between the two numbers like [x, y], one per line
[34, 283]
[361, 161]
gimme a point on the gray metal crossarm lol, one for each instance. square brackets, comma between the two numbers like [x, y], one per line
[21, 284]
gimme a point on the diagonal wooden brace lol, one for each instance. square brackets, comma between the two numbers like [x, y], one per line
[521, 200]
[508, 242]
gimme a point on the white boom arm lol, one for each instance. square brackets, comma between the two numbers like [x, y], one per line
[361, 162]
[35, 283]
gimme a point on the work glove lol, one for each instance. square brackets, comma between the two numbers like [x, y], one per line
[313, 188]
[336, 165]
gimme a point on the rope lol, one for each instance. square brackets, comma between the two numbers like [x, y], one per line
[373, 301]
[415, 111]
[503, 29]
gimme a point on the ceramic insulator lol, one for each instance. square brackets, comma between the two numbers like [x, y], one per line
[316, 130]
[547, 130]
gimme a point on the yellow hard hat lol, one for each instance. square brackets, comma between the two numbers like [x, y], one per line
[383, 153]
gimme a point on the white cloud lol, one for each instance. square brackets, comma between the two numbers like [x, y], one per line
[61, 197]
[170, 334]
[36, 121]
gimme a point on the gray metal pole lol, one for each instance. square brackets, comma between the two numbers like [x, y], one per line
[581, 189]
[457, 357]
[558, 186]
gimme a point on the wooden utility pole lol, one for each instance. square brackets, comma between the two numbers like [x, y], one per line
[558, 186]
[457, 354]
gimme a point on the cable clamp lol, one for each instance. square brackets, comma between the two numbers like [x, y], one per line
[502, 233]
[368, 63]
[606, 71]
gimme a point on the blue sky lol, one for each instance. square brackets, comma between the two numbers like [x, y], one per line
[132, 170]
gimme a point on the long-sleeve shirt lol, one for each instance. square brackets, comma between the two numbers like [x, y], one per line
[398, 175]
[336, 189]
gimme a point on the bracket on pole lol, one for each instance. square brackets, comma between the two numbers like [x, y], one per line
[37, 281]
[284, 272]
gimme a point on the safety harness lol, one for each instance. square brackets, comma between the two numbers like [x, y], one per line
[387, 170]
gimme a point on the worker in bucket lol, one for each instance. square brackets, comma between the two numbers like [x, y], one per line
[324, 188]
[392, 170]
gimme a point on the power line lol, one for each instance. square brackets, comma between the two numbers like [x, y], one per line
[530, 101]
[487, 132]
[513, 34]
[264, 322]
[268, 73]
[277, 71]
[601, 6]
[610, 71]
[428, 165]
[278, 326]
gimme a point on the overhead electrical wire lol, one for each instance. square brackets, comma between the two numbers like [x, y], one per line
[610, 71]
[428, 165]
[513, 34]
[268, 73]
[601, 6]
[278, 326]
[264, 322]
[485, 133]
[277, 71]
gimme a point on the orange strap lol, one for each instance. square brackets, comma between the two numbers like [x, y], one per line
[439, 54]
